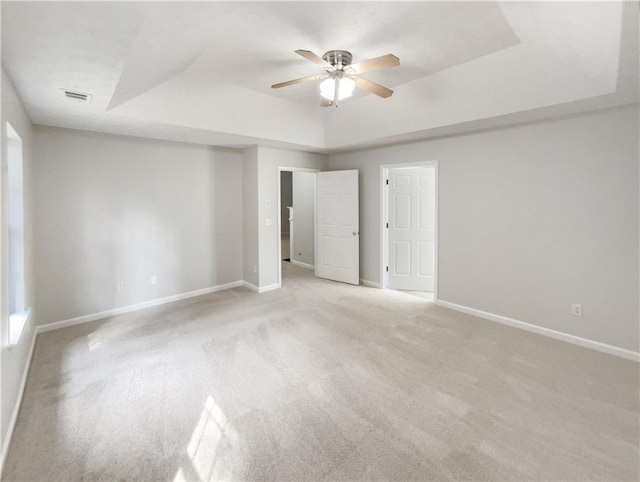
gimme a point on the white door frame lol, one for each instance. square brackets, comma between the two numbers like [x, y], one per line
[384, 211]
[279, 194]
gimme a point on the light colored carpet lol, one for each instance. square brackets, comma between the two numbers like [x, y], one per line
[320, 381]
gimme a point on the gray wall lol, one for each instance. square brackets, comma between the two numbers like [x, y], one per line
[532, 218]
[250, 256]
[112, 208]
[303, 235]
[286, 199]
[14, 359]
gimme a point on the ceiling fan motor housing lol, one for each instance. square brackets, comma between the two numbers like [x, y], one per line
[338, 58]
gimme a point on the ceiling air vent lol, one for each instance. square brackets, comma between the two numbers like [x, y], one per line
[77, 96]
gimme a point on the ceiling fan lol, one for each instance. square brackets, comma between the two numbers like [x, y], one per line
[341, 76]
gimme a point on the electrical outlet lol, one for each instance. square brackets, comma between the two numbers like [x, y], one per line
[267, 221]
[120, 286]
[154, 280]
[576, 310]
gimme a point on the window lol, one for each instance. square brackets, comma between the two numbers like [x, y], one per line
[18, 314]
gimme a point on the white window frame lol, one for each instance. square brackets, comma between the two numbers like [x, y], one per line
[18, 313]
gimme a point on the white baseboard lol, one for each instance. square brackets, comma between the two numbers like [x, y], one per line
[540, 330]
[139, 306]
[263, 289]
[302, 265]
[272, 287]
[16, 408]
[252, 287]
[370, 284]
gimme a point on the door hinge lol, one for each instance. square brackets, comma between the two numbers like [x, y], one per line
[387, 269]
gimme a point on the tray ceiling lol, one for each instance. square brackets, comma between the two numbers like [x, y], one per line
[182, 70]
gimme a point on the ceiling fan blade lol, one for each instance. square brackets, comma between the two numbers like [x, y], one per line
[325, 103]
[372, 87]
[370, 65]
[319, 61]
[297, 81]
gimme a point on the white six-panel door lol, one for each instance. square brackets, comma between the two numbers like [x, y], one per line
[411, 228]
[338, 228]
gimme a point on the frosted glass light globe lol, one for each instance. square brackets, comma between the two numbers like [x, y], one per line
[345, 89]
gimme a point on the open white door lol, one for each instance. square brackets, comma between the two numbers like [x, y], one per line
[412, 228]
[338, 226]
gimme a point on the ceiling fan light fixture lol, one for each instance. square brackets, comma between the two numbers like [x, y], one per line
[345, 89]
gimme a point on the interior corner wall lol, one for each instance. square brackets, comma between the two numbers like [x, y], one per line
[250, 215]
[532, 218]
[15, 358]
[269, 159]
[110, 209]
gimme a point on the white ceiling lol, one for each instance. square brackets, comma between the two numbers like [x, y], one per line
[201, 72]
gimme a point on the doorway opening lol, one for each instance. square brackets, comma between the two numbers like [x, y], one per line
[296, 217]
[286, 214]
[409, 227]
